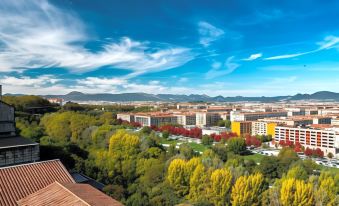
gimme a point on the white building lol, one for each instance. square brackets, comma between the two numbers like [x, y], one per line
[323, 137]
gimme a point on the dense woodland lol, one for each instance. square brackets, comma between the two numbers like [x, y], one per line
[138, 170]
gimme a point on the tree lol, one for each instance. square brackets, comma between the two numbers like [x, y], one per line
[221, 150]
[177, 177]
[165, 134]
[146, 130]
[247, 190]
[286, 157]
[186, 150]
[269, 167]
[220, 186]
[206, 140]
[308, 152]
[326, 194]
[295, 192]
[198, 184]
[298, 172]
[236, 145]
[330, 155]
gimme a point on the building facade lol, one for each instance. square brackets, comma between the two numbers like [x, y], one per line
[206, 119]
[13, 148]
[253, 116]
[327, 139]
[263, 128]
[241, 128]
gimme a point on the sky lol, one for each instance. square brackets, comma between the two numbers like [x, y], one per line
[226, 47]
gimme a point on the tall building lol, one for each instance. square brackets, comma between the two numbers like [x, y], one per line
[263, 128]
[204, 119]
[324, 137]
[186, 119]
[241, 127]
[13, 148]
[156, 119]
[253, 116]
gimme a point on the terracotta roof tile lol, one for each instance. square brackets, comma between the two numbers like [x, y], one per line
[68, 194]
[17, 182]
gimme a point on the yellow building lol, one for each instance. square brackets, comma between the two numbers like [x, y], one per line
[241, 127]
[263, 128]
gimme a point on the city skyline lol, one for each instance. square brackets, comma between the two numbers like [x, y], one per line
[229, 48]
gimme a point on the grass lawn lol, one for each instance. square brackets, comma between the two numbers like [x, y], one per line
[197, 147]
[256, 157]
[168, 141]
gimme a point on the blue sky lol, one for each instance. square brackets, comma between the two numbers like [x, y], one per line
[229, 48]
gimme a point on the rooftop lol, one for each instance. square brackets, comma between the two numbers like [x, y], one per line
[17, 182]
[16, 141]
[68, 194]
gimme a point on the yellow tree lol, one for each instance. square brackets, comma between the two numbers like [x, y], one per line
[220, 185]
[247, 190]
[326, 194]
[198, 184]
[296, 192]
[176, 176]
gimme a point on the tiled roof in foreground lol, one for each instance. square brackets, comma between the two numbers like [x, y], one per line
[17, 182]
[68, 194]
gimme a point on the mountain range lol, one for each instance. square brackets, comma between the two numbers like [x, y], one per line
[78, 96]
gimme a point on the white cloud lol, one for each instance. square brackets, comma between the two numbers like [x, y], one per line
[219, 69]
[328, 43]
[208, 33]
[36, 34]
[28, 81]
[253, 57]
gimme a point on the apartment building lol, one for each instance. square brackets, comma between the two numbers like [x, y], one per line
[241, 127]
[186, 119]
[205, 119]
[324, 137]
[126, 117]
[156, 119]
[263, 128]
[253, 116]
[13, 148]
[300, 120]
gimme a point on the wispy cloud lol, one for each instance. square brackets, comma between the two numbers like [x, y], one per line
[221, 69]
[253, 57]
[208, 33]
[36, 34]
[328, 43]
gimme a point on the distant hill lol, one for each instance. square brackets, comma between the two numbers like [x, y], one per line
[78, 96]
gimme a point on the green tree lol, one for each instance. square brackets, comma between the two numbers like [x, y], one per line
[297, 172]
[206, 140]
[236, 145]
[269, 167]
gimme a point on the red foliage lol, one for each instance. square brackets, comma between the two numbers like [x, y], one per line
[286, 143]
[314, 152]
[252, 141]
[318, 152]
[194, 132]
[297, 147]
[308, 151]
